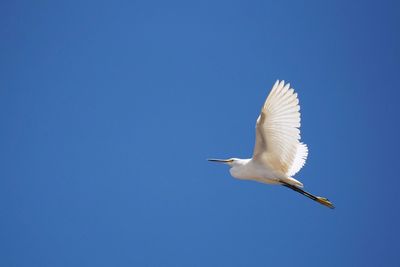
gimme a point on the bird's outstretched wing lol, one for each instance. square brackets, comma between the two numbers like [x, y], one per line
[277, 131]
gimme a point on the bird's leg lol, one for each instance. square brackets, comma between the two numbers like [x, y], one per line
[321, 200]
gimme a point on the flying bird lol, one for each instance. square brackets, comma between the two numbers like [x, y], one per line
[278, 153]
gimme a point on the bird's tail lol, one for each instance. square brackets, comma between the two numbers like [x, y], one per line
[321, 200]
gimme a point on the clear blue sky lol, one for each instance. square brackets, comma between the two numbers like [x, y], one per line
[108, 111]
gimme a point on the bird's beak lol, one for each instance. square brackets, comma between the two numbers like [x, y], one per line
[221, 160]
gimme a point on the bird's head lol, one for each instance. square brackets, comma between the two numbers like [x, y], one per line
[231, 162]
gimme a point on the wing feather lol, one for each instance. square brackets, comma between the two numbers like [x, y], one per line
[277, 131]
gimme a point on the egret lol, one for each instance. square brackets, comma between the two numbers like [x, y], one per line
[278, 153]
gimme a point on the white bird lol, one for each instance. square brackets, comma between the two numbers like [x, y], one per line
[278, 153]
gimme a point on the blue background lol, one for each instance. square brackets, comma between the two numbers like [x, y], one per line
[108, 111]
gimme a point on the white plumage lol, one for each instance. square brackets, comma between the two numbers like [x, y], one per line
[277, 131]
[278, 153]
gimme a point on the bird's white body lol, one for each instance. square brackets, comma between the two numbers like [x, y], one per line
[278, 153]
[249, 169]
